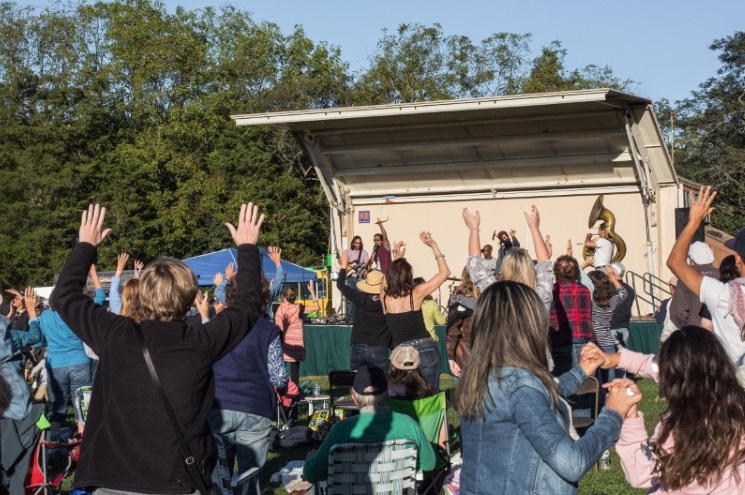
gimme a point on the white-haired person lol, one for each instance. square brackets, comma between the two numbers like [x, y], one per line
[130, 443]
[375, 423]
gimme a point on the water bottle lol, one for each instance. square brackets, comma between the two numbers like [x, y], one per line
[605, 461]
[316, 389]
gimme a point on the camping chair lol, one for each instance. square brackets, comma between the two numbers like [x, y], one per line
[81, 402]
[340, 384]
[431, 414]
[39, 480]
[589, 386]
[386, 468]
[240, 483]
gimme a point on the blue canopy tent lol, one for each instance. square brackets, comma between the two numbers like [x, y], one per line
[207, 265]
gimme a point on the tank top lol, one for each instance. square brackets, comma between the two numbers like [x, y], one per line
[406, 326]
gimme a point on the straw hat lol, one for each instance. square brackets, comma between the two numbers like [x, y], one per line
[371, 284]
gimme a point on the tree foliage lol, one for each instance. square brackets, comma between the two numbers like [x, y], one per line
[127, 104]
[710, 137]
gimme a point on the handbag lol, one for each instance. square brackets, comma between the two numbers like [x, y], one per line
[188, 459]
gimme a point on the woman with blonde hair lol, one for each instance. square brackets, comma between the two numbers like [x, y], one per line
[131, 444]
[514, 425]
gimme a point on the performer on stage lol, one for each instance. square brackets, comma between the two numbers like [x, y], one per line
[603, 247]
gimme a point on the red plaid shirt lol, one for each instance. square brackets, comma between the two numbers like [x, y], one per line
[571, 313]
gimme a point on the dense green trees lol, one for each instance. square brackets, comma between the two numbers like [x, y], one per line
[710, 133]
[127, 104]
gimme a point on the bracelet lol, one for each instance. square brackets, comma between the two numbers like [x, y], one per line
[615, 411]
[439, 256]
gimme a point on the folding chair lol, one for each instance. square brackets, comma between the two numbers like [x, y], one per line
[340, 385]
[81, 402]
[38, 480]
[240, 483]
[431, 414]
[385, 468]
[589, 386]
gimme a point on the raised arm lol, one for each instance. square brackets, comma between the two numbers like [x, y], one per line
[115, 298]
[86, 319]
[228, 328]
[473, 222]
[100, 293]
[357, 297]
[386, 242]
[443, 272]
[33, 335]
[315, 306]
[534, 223]
[700, 209]
[275, 254]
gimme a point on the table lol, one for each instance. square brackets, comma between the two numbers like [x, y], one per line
[644, 336]
[312, 399]
[327, 349]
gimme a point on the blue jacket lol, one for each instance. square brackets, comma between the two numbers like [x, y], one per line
[11, 370]
[521, 446]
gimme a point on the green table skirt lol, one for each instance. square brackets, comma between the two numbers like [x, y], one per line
[327, 349]
[644, 336]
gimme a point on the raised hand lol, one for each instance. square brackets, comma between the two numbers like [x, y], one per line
[512, 233]
[426, 238]
[217, 279]
[312, 290]
[202, 303]
[121, 264]
[230, 271]
[379, 221]
[249, 225]
[701, 206]
[275, 254]
[472, 220]
[399, 249]
[549, 246]
[138, 268]
[570, 251]
[91, 225]
[30, 300]
[532, 217]
[591, 358]
[344, 260]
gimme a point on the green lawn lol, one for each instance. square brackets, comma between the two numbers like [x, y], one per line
[610, 482]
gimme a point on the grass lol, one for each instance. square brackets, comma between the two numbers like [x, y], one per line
[609, 482]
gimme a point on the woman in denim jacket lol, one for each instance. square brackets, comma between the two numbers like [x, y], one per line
[514, 425]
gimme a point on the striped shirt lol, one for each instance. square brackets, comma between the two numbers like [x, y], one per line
[601, 318]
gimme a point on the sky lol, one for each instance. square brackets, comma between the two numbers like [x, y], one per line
[663, 45]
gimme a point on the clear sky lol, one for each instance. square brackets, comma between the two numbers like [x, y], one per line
[661, 44]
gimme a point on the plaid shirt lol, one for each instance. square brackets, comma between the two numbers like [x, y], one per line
[571, 313]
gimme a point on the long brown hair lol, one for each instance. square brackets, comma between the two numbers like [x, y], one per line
[510, 328]
[705, 414]
[466, 286]
[416, 386]
[399, 278]
[603, 288]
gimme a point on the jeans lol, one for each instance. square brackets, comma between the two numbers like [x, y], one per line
[621, 336]
[351, 282]
[429, 358]
[246, 437]
[63, 382]
[368, 355]
[566, 357]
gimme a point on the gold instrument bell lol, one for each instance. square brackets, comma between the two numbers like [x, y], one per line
[600, 212]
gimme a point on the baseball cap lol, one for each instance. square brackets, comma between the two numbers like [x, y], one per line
[673, 281]
[370, 380]
[737, 243]
[700, 253]
[405, 357]
[618, 267]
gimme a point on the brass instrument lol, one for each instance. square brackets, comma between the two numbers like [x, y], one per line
[600, 212]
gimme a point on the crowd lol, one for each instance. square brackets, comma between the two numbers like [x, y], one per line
[523, 334]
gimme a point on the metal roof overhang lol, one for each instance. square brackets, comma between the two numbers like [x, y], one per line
[532, 144]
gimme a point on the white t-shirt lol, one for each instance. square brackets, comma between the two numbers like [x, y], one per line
[491, 264]
[715, 295]
[603, 251]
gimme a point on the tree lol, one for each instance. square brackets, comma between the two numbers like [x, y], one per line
[712, 133]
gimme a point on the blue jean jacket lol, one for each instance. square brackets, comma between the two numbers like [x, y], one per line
[521, 446]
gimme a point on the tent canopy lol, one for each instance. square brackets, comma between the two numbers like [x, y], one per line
[207, 265]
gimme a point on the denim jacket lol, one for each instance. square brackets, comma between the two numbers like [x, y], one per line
[521, 446]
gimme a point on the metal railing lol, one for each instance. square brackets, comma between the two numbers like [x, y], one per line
[653, 290]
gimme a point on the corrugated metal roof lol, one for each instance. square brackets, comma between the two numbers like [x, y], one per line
[577, 139]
